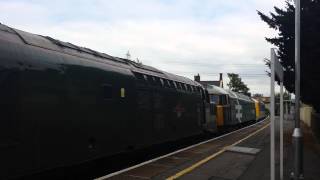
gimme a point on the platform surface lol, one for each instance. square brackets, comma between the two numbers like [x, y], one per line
[243, 155]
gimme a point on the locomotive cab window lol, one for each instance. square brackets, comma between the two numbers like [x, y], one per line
[223, 100]
[214, 99]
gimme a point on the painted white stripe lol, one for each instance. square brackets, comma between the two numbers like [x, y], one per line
[175, 152]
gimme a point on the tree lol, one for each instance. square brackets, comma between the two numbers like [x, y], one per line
[235, 84]
[282, 20]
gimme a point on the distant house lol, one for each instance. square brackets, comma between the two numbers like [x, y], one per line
[218, 83]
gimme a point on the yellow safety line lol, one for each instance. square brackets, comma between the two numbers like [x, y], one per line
[189, 169]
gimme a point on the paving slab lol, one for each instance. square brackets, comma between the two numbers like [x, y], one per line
[245, 150]
[229, 165]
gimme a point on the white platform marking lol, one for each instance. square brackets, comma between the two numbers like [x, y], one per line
[245, 150]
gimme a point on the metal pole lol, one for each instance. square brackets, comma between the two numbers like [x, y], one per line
[272, 131]
[297, 135]
[281, 130]
[297, 64]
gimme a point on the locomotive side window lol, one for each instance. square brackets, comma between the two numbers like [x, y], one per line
[184, 87]
[198, 89]
[151, 80]
[145, 77]
[157, 81]
[140, 77]
[166, 83]
[178, 85]
[189, 88]
[154, 80]
[174, 84]
[162, 82]
[170, 83]
[107, 91]
[192, 88]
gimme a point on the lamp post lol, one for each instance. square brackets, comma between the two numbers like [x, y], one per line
[297, 136]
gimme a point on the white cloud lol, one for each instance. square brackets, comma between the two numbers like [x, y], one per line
[184, 37]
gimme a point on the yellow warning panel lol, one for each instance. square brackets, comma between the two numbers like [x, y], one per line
[220, 115]
[122, 92]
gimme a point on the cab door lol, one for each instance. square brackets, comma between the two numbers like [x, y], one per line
[208, 121]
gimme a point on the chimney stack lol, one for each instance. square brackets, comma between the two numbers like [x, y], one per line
[197, 78]
[221, 80]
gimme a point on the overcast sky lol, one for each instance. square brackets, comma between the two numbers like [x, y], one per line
[184, 37]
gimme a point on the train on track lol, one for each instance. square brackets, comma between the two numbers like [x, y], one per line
[62, 105]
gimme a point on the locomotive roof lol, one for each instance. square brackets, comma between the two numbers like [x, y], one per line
[239, 96]
[50, 43]
[212, 89]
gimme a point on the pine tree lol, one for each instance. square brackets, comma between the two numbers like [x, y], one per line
[282, 20]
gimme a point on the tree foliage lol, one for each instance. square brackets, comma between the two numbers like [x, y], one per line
[235, 84]
[282, 20]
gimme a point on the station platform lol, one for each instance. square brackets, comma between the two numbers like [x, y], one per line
[240, 155]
